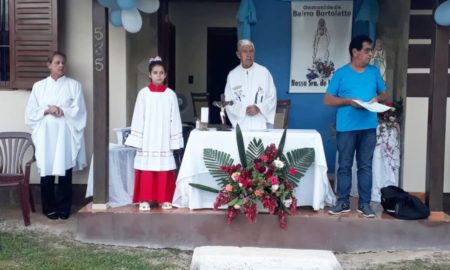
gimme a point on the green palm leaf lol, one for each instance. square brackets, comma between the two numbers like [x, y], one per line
[301, 159]
[213, 160]
[241, 147]
[254, 150]
[203, 187]
[281, 144]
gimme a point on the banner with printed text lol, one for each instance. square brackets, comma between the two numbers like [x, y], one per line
[321, 34]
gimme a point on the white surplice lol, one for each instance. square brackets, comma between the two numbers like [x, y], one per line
[155, 130]
[59, 141]
[252, 86]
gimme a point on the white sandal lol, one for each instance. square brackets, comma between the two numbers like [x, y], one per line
[166, 205]
[144, 206]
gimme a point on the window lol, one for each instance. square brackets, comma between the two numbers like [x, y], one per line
[4, 42]
[28, 31]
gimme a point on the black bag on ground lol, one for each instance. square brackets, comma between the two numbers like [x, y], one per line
[402, 205]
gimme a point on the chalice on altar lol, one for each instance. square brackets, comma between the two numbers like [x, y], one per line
[221, 105]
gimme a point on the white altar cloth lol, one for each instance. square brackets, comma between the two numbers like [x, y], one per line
[314, 189]
[121, 175]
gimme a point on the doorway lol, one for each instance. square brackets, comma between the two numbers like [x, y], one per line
[221, 59]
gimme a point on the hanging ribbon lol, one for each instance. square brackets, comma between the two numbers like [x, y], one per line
[246, 16]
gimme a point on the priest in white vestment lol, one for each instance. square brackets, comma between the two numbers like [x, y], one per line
[56, 113]
[250, 86]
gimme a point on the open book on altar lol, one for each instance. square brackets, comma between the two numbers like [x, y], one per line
[373, 107]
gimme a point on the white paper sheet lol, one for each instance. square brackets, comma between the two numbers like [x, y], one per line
[373, 107]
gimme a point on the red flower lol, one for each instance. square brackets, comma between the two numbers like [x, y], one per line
[293, 206]
[245, 182]
[232, 213]
[250, 211]
[265, 158]
[269, 203]
[222, 199]
[292, 171]
[282, 218]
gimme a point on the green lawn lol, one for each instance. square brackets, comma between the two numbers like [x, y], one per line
[35, 251]
[415, 265]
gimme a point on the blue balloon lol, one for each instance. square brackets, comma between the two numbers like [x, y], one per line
[127, 4]
[442, 14]
[108, 3]
[115, 17]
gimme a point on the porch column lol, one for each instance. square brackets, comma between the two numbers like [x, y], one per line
[426, 104]
[101, 104]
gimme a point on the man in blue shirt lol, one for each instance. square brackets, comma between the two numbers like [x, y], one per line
[355, 126]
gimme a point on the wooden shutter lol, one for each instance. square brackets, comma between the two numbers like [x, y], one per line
[33, 36]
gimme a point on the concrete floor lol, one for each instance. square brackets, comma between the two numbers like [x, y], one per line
[11, 220]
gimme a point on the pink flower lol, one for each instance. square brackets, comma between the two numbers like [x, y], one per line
[235, 176]
[265, 158]
[292, 171]
[274, 180]
[229, 188]
[259, 193]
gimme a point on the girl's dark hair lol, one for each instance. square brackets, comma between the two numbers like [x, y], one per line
[55, 53]
[156, 63]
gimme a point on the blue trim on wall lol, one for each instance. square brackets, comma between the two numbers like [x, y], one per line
[272, 38]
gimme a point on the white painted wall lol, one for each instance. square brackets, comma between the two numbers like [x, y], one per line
[76, 42]
[415, 144]
[191, 21]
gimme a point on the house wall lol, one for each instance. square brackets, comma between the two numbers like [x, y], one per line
[140, 47]
[272, 38]
[447, 149]
[415, 144]
[191, 20]
[76, 41]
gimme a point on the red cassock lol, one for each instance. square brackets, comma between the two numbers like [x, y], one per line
[156, 186]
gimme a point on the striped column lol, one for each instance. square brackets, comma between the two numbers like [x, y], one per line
[426, 104]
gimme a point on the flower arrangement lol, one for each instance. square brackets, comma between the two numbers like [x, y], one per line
[320, 69]
[388, 134]
[392, 116]
[264, 176]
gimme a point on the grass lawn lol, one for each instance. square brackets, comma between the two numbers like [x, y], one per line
[416, 265]
[34, 251]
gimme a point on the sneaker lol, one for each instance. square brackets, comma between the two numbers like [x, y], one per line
[166, 205]
[340, 207]
[366, 210]
[144, 207]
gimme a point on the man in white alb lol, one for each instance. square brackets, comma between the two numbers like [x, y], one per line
[250, 86]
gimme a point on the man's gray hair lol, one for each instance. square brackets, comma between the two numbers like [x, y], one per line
[244, 42]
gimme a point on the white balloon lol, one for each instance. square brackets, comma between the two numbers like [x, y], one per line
[131, 20]
[148, 6]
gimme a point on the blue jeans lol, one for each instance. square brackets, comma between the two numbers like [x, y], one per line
[363, 142]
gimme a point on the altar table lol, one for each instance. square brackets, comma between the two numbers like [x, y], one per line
[314, 188]
[121, 175]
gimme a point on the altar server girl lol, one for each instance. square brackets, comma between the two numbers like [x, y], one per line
[156, 132]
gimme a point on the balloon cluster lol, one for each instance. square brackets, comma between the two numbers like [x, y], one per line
[442, 14]
[126, 12]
